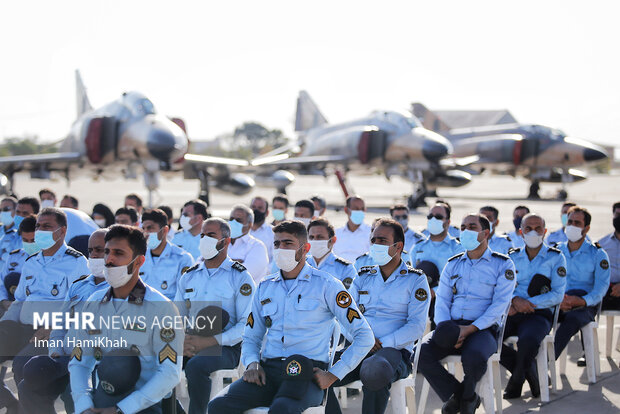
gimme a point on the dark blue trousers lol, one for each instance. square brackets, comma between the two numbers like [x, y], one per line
[373, 402]
[243, 396]
[531, 328]
[475, 352]
[15, 337]
[199, 368]
[570, 323]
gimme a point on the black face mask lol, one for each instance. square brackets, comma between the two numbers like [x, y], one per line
[617, 224]
[517, 223]
[259, 216]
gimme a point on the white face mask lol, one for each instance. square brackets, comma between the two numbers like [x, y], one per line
[117, 276]
[285, 259]
[318, 248]
[304, 220]
[208, 247]
[47, 203]
[152, 242]
[532, 239]
[96, 266]
[184, 222]
[573, 233]
[100, 222]
[435, 226]
[379, 253]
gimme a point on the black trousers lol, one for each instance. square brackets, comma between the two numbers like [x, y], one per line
[611, 302]
[570, 323]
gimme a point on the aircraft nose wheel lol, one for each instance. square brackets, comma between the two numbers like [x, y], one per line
[416, 200]
[534, 189]
[562, 195]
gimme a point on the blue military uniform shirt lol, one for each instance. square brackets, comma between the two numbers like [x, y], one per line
[501, 243]
[14, 263]
[10, 241]
[162, 273]
[587, 268]
[335, 266]
[437, 253]
[186, 241]
[412, 238]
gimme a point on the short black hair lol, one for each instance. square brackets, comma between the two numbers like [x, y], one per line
[521, 207]
[398, 207]
[321, 222]
[568, 204]
[397, 229]
[587, 217]
[351, 198]
[104, 211]
[134, 236]
[492, 210]
[46, 191]
[282, 198]
[263, 199]
[130, 211]
[445, 206]
[294, 227]
[74, 201]
[135, 197]
[28, 224]
[307, 204]
[320, 200]
[156, 215]
[200, 207]
[616, 205]
[485, 224]
[59, 215]
[33, 202]
[166, 210]
[12, 200]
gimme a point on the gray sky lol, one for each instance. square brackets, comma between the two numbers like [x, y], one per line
[217, 64]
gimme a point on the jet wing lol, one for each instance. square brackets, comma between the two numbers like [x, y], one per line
[32, 161]
[303, 160]
[207, 160]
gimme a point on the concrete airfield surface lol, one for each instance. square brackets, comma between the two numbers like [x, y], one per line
[598, 193]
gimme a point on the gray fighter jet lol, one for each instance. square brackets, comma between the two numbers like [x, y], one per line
[391, 142]
[536, 152]
[122, 138]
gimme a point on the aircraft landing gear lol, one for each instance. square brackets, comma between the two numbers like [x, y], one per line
[203, 177]
[566, 178]
[417, 198]
[534, 191]
[151, 180]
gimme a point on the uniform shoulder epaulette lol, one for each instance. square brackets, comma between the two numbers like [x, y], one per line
[508, 238]
[458, 240]
[30, 257]
[72, 252]
[359, 257]
[80, 278]
[239, 267]
[554, 249]
[189, 269]
[514, 250]
[412, 269]
[365, 269]
[597, 245]
[456, 256]
[342, 261]
[15, 251]
[500, 255]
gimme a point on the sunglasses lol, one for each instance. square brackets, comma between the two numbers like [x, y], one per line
[437, 216]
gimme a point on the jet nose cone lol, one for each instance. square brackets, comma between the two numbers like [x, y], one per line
[161, 144]
[594, 154]
[434, 150]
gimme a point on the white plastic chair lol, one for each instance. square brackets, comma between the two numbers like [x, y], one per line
[311, 410]
[609, 334]
[489, 386]
[402, 392]
[589, 334]
[545, 359]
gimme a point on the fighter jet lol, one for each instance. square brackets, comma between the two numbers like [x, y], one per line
[536, 152]
[391, 142]
[122, 138]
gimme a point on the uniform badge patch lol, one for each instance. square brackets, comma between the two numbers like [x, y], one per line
[561, 271]
[265, 301]
[352, 314]
[76, 353]
[98, 354]
[362, 308]
[54, 290]
[343, 299]
[13, 264]
[268, 321]
[167, 353]
[185, 268]
[347, 282]
[373, 271]
[164, 285]
[604, 264]
[245, 289]
[403, 272]
[250, 321]
[510, 275]
[293, 369]
[167, 334]
[421, 295]
[107, 387]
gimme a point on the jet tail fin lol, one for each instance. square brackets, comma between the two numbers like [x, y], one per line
[429, 119]
[83, 104]
[308, 114]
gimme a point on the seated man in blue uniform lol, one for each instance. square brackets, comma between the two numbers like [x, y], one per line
[475, 288]
[394, 297]
[293, 314]
[499, 243]
[587, 277]
[541, 280]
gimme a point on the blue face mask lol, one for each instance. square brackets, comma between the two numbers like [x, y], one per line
[435, 226]
[30, 248]
[236, 229]
[278, 215]
[44, 239]
[379, 253]
[17, 220]
[357, 217]
[152, 242]
[6, 218]
[564, 220]
[469, 239]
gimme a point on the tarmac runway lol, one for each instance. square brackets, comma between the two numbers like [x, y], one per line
[598, 193]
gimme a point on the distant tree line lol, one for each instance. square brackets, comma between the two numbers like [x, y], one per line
[24, 145]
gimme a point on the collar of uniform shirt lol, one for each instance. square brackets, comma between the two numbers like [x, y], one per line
[486, 256]
[304, 274]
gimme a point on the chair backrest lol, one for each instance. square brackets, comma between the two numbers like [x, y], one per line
[556, 315]
[598, 313]
[502, 328]
[416, 357]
